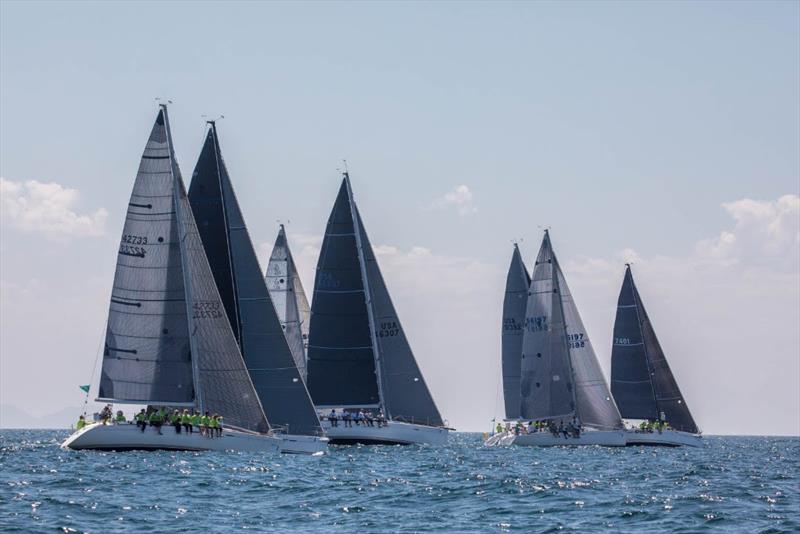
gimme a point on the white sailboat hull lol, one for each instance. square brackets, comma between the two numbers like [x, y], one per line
[394, 433]
[297, 444]
[605, 438]
[665, 438]
[127, 437]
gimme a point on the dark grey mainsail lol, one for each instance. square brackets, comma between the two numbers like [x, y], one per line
[168, 341]
[269, 361]
[291, 305]
[358, 352]
[641, 380]
[518, 283]
[546, 388]
[561, 377]
[341, 361]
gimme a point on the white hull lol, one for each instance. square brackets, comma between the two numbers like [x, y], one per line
[668, 438]
[394, 433]
[606, 438]
[127, 437]
[296, 444]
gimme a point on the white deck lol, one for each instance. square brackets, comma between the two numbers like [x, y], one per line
[394, 433]
[130, 437]
[606, 438]
[668, 438]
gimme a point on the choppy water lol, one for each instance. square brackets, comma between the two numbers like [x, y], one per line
[737, 484]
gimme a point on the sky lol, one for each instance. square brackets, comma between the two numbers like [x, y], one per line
[662, 133]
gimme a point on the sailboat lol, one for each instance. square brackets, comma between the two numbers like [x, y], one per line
[560, 381]
[358, 356]
[291, 304]
[168, 342]
[247, 303]
[641, 380]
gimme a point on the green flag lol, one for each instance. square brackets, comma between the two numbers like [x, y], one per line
[85, 388]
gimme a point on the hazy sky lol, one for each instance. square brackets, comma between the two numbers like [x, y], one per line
[663, 133]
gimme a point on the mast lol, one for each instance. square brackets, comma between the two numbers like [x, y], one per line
[187, 283]
[367, 296]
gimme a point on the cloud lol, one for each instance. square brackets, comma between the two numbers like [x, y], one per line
[47, 208]
[726, 314]
[460, 198]
[765, 232]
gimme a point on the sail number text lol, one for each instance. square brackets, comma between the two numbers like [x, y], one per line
[576, 341]
[389, 329]
[207, 310]
[536, 324]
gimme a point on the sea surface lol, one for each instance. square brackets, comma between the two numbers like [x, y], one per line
[737, 484]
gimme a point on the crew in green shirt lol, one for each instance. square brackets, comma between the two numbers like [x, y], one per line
[81, 423]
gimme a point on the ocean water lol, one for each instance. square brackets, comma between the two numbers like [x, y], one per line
[738, 484]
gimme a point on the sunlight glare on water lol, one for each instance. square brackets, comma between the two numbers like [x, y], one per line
[732, 483]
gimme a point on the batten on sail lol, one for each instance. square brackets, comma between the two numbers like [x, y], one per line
[641, 379]
[269, 360]
[358, 354]
[289, 297]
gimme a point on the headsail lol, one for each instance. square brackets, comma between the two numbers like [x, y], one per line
[518, 283]
[406, 396]
[358, 353]
[289, 298]
[266, 354]
[179, 314]
[641, 379]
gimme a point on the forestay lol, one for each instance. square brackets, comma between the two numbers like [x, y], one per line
[518, 283]
[266, 353]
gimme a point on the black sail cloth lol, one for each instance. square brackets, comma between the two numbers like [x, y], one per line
[358, 352]
[641, 379]
[248, 305]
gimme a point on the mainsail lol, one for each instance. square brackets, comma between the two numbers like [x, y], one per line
[269, 361]
[167, 340]
[518, 283]
[358, 353]
[641, 380]
[561, 376]
[289, 298]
